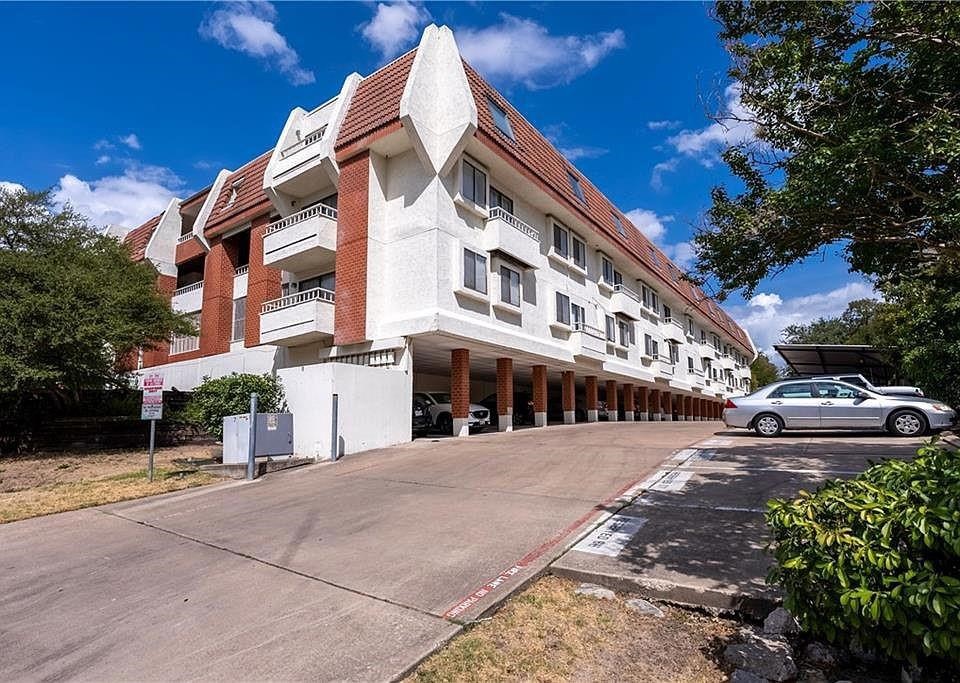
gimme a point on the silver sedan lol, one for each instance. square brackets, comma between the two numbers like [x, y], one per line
[827, 404]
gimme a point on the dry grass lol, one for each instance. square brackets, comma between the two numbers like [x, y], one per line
[548, 633]
[43, 484]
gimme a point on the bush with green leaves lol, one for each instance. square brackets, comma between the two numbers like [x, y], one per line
[876, 559]
[215, 399]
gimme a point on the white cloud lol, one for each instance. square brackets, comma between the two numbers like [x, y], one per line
[248, 27]
[649, 223]
[103, 144]
[663, 125]
[705, 144]
[128, 199]
[394, 26]
[583, 152]
[681, 253]
[131, 141]
[767, 314]
[523, 51]
[103, 159]
[668, 166]
[11, 187]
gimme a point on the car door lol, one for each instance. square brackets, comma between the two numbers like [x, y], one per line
[796, 404]
[844, 407]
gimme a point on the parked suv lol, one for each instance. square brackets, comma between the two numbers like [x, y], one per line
[438, 404]
[522, 408]
[421, 418]
[864, 383]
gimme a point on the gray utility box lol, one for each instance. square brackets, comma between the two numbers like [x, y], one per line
[274, 436]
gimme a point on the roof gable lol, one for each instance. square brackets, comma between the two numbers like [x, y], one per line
[249, 202]
[138, 238]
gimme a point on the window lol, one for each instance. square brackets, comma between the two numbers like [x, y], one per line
[607, 268]
[326, 281]
[667, 312]
[654, 302]
[575, 186]
[560, 244]
[674, 353]
[563, 308]
[651, 347]
[611, 329]
[474, 271]
[500, 119]
[626, 332]
[619, 224]
[690, 328]
[579, 252]
[654, 256]
[509, 286]
[831, 390]
[239, 318]
[703, 336]
[690, 367]
[804, 390]
[497, 198]
[716, 342]
[577, 316]
[474, 184]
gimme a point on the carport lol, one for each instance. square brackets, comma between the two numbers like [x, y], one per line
[836, 359]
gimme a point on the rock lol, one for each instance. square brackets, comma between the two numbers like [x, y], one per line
[780, 622]
[812, 676]
[862, 654]
[744, 676]
[820, 656]
[594, 591]
[643, 607]
[767, 657]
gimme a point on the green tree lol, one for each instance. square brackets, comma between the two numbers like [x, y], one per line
[215, 399]
[860, 323]
[856, 112]
[72, 301]
[762, 371]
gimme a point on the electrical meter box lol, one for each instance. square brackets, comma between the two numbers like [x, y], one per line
[274, 436]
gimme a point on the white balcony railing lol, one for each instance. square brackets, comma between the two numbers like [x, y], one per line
[307, 140]
[674, 321]
[623, 289]
[300, 216]
[589, 330]
[188, 288]
[300, 297]
[514, 222]
[242, 270]
[667, 366]
[184, 238]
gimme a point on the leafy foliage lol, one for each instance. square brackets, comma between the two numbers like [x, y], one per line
[215, 399]
[876, 559]
[762, 371]
[72, 301]
[856, 113]
[860, 323]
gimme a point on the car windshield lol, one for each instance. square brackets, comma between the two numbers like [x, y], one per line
[440, 397]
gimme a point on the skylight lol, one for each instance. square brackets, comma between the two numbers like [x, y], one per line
[619, 223]
[500, 119]
[654, 256]
[575, 186]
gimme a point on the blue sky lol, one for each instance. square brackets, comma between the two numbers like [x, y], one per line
[119, 107]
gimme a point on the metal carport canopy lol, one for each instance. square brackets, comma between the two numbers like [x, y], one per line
[835, 359]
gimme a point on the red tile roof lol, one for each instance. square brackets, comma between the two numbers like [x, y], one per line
[251, 200]
[138, 238]
[376, 103]
[532, 154]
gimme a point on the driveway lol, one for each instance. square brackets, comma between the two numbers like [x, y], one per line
[346, 571]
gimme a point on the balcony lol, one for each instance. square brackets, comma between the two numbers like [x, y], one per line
[188, 298]
[624, 301]
[303, 240]
[672, 329]
[298, 318]
[507, 233]
[667, 367]
[726, 362]
[588, 342]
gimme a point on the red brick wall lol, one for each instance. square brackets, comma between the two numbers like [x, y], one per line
[688, 405]
[612, 403]
[591, 391]
[644, 407]
[666, 403]
[628, 402]
[655, 406]
[188, 250]
[504, 385]
[263, 283]
[540, 388]
[166, 284]
[350, 315]
[568, 390]
[459, 381]
[217, 314]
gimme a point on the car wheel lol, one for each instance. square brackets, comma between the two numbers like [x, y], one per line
[768, 425]
[445, 423]
[907, 423]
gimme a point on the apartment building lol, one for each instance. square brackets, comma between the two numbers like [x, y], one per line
[416, 233]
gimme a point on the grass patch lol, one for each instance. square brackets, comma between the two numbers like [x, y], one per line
[548, 633]
[49, 499]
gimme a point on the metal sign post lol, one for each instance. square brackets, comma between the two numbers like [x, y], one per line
[252, 440]
[152, 409]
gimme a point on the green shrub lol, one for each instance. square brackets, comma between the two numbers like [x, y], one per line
[215, 399]
[876, 559]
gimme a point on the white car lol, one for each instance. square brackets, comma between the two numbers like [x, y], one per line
[438, 403]
[861, 381]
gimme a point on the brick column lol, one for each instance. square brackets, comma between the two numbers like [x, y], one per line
[688, 408]
[628, 403]
[460, 391]
[263, 283]
[612, 406]
[666, 406]
[158, 354]
[540, 395]
[568, 388]
[592, 400]
[350, 308]
[717, 409]
[656, 408]
[643, 408]
[505, 394]
[216, 318]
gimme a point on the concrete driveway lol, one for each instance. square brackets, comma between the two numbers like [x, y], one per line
[346, 571]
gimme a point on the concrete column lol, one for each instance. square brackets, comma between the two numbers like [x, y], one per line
[568, 389]
[460, 391]
[612, 405]
[628, 403]
[655, 407]
[688, 408]
[592, 400]
[644, 405]
[505, 394]
[666, 406]
[540, 395]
